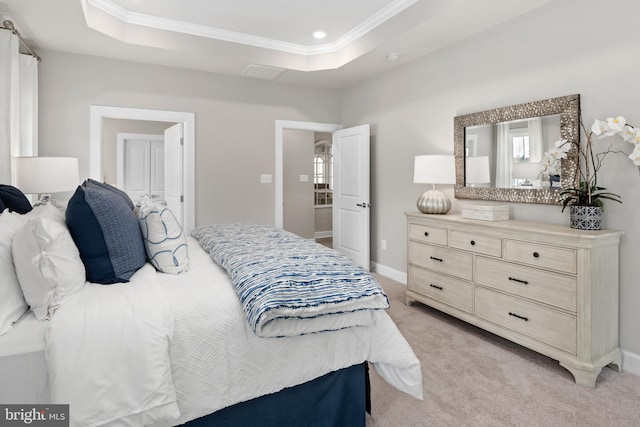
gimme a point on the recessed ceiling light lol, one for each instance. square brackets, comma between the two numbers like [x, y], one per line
[319, 35]
[392, 57]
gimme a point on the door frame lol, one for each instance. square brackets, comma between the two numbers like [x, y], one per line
[281, 125]
[98, 112]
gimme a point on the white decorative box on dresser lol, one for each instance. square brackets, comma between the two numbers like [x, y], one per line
[547, 287]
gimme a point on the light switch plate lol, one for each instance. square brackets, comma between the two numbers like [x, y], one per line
[265, 178]
[304, 178]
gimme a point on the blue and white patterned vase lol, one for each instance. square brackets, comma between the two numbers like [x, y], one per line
[585, 217]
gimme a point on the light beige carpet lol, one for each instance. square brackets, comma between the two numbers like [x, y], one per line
[474, 378]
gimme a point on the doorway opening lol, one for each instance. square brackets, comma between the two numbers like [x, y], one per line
[312, 129]
[323, 188]
[350, 196]
[97, 115]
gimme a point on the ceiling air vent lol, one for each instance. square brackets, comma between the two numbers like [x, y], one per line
[263, 72]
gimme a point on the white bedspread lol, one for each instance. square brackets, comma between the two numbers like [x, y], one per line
[216, 359]
[107, 351]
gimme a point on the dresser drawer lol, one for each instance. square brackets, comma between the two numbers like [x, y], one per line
[543, 324]
[543, 256]
[544, 286]
[479, 243]
[448, 290]
[428, 234]
[455, 263]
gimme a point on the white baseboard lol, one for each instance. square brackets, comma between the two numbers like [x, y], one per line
[397, 275]
[323, 234]
[630, 361]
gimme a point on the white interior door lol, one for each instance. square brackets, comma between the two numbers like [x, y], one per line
[351, 193]
[136, 168]
[173, 190]
[140, 165]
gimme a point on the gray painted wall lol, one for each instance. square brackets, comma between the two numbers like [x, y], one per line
[235, 122]
[297, 159]
[554, 51]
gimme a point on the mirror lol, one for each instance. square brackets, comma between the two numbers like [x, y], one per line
[498, 152]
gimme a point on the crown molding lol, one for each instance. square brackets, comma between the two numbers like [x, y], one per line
[135, 18]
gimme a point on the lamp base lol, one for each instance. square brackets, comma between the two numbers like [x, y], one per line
[434, 202]
[44, 199]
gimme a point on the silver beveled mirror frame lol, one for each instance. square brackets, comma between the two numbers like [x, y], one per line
[569, 109]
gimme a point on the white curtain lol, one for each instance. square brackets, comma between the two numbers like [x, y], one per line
[535, 139]
[504, 156]
[18, 105]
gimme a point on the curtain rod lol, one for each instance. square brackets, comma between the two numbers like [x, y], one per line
[8, 25]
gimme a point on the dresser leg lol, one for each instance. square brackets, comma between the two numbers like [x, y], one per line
[616, 363]
[583, 376]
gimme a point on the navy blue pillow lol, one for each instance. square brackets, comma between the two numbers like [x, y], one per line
[91, 183]
[14, 199]
[107, 234]
[2, 206]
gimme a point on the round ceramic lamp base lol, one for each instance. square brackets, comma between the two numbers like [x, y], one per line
[434, 202]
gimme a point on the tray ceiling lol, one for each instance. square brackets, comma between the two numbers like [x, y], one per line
[272, 37]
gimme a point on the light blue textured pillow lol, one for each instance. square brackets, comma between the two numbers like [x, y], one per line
[107, 234]
[163, 238]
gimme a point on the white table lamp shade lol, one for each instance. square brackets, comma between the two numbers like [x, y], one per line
[46, 174]
[476, 170]
[434, 169]
[526, 170]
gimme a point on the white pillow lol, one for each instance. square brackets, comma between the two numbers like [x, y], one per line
[48, 265]
[163, 238]
[51, 210]
[12, 303]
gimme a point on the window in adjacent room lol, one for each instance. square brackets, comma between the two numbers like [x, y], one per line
[323, 172]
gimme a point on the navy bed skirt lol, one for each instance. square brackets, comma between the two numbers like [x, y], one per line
[338, 398]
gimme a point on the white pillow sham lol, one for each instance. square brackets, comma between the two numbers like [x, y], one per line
[52, 210]
[12, 303]
[48, 265]
[163, 238]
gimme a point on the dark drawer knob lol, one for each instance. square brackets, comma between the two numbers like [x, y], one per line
[473, 242]
[435, 286]
[436, 259]
[426, 233]
[536, 255]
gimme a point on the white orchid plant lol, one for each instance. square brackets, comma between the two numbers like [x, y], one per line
[589, 193]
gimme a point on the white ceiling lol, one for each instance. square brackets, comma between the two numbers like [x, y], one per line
[261, 38]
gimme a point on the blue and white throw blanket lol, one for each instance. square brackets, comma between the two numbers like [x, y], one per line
[288, 285]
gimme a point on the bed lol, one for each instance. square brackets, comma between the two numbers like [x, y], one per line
[165, 349]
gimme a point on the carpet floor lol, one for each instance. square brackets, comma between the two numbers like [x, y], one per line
[474, 378]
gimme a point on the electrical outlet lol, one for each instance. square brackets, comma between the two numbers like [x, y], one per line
[384, 244]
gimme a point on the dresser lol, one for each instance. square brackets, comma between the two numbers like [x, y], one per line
[547, 287]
